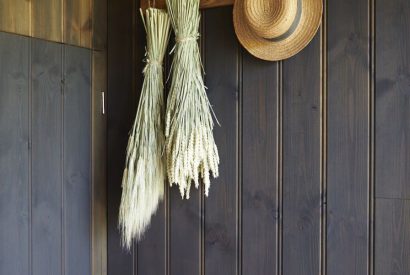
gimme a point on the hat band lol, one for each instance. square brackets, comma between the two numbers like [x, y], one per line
[292, 28]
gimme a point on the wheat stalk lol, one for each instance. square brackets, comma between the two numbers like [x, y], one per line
[145, 172]
[190, 147]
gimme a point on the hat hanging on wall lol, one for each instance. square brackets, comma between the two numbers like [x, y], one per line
[276, 29]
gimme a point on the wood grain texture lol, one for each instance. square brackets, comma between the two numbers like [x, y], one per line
[120, 114]
[152, 249]
[204, 4]
[301, 161]
[46, 231]
[46, 19]
[15, 16]
[291, 142]
[392, 99]
[77, 160]
[260, 191]
[152, 256]
[99, 24]
[221, 234]
[348, 135]
[99, 163]
[185, 233]
[392, 237]
[14, 155]
[46, 194]
[78, 22]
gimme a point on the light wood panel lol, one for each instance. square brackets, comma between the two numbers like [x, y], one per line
[15, 16]
[47, 19]
[76, 22]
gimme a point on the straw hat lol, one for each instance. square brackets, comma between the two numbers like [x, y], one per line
[276, 29]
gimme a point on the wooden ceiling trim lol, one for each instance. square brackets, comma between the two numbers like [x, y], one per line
[203, 5]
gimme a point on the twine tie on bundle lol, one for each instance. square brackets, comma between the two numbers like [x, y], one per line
[154, 63]
[182, 39]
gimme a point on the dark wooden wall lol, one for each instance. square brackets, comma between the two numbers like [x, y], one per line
[315, 151]
[52, 181]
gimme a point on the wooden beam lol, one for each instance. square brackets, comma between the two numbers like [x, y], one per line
[204, 3]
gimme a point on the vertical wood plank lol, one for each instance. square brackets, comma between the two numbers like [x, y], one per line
[221, 240]
[392, 236]
[301, 161]
[152, 249]
[99, 24]
[260, 139]
[120, 114]
[46, 19]
[392, 99]
[15, 16]
[99, 162]
[185, 233]
[392, 165]
[14, 155]
[76, 161]
[348, 137]
[46, 157]
[78, 22]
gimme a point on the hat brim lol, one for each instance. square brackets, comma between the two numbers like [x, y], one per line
[282, 47]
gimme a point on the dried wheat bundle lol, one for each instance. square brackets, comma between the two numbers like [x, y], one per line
[145, 172]
[190, 146]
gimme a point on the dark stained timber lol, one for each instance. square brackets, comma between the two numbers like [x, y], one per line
[152, 249]
[314, 151]
[392, 237]
[185, 233]
[301, 161]
[221, 234]
[348, 124]
[392, 138]
[121, 105]
[392, 99]
[260, 163]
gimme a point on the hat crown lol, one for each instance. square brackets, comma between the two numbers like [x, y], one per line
[270, 18]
